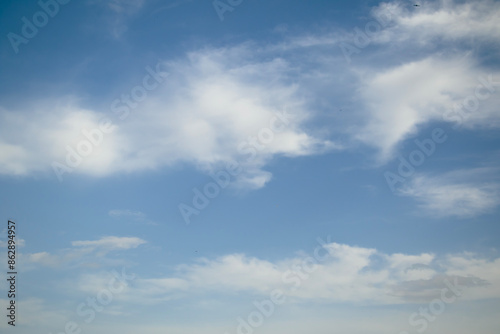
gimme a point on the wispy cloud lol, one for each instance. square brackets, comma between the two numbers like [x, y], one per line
[19, 242]
[120, 12]
[427, 85]
[127, 213]
[127, 6]
[38, 312]
[462, 194]
[111, 243]
[440, 22]
[173, 4]
[400, 99]
[137, 216]
[83, 251]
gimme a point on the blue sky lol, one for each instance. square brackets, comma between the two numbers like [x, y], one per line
[178, 162]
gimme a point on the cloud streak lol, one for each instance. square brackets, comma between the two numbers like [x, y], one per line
[82, 251]
[462, 193]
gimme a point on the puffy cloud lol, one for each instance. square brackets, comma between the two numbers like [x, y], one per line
[215, 106]
[343, 274]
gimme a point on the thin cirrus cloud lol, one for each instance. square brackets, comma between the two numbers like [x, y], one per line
[120, 12]
[127, 213]
[125, 5]
[111, 243]
[439, 21]
[82, 251]
[136, 216]
[462, 193]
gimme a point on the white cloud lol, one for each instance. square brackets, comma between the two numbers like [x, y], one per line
[456, 194]
[215, 99]
[441, 21]
[353, 275]
[213, 104]
[49, 129]
[42, 258]
[341, 278]
[402, 98]
[236, 272]
[420, 65]
[111, 243]
[84, 252]
[437, 50]
[412, 267]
